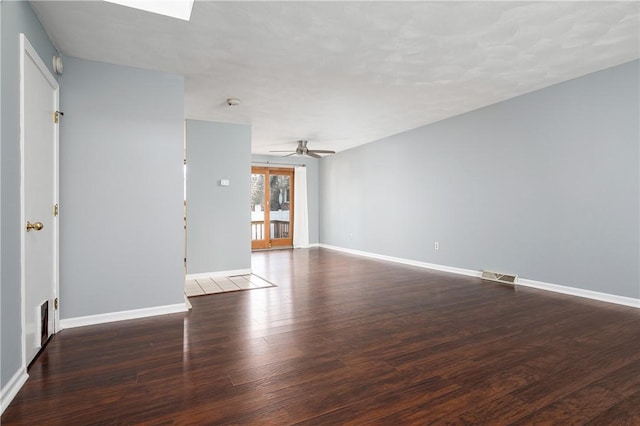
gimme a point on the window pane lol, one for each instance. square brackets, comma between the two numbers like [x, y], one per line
[279, 203]
[257, 207]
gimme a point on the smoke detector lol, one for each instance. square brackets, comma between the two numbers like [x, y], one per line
[233, 102]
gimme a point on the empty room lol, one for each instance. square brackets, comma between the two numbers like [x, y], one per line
[327, 213]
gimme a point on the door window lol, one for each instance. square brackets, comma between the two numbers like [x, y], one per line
[271, 207]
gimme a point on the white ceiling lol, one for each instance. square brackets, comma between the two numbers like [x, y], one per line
[341, 74]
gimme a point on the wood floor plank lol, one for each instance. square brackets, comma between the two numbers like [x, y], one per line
[347, 340]
[625, 413]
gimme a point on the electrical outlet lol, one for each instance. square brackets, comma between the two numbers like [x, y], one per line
[436, 245]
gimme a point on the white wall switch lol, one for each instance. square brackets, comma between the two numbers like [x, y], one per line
[224, 182]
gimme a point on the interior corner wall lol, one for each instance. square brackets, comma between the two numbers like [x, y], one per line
[312, 187]
[121, 189]
[544, 185]
[15, 17]
[218, 217]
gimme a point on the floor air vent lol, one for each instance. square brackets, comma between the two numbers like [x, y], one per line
[499, 277]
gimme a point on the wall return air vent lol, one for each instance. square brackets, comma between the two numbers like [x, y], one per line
[500, 277]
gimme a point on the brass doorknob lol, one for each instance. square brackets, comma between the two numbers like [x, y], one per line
[36, 226]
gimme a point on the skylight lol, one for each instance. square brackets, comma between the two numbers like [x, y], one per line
[180, 9]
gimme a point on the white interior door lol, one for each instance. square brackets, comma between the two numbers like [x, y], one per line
[39, 157]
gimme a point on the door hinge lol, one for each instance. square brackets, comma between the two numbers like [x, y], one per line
[56, 211]
[55, 304]
[56, 116]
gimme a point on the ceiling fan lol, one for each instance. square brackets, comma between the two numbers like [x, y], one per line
[303, 150]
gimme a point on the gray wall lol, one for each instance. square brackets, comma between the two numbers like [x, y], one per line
[121, 189]
[16, 18]
[545, 185]
[218, 218]
[312, 187]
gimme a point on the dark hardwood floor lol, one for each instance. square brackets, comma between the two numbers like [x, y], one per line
[347, 340]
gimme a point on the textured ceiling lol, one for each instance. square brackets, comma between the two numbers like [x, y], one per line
[341, 74]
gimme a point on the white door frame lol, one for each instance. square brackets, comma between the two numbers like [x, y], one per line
[27, 49]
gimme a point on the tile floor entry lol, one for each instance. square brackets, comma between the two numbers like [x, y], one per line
[202, 286]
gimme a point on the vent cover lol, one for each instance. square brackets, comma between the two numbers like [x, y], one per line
[44, 323]
[499, 277]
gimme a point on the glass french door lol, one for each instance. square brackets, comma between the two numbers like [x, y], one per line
[271, 207]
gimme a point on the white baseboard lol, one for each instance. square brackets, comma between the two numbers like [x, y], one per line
[122, 315]
[11, 389]
[459, 271]
[215, 274]
[573, 291]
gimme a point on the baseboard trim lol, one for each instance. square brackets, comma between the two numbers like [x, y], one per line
[215, 274]
[122, 315]
[434, 266]
[11, 389]
[556, 288]
[574, 291]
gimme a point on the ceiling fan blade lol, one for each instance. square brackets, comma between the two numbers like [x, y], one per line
[322, 151]
[303, 150]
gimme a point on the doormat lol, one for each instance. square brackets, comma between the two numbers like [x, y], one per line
[205, 286]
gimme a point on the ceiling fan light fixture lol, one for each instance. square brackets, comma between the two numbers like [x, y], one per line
[302, 149]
